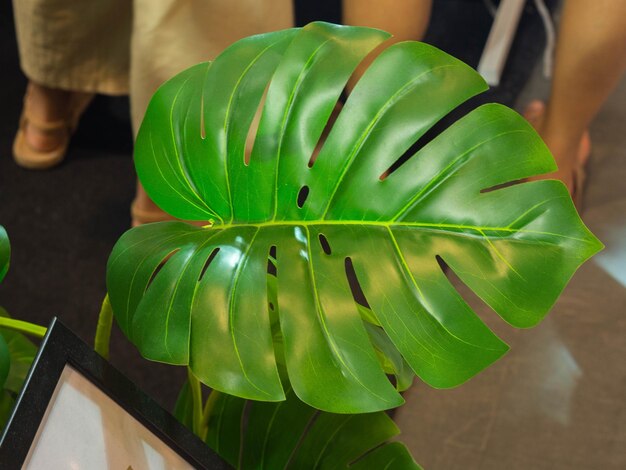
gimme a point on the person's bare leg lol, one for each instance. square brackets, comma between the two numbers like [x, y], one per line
[590, 59]
[46, 105]
[144, 210]
[405, 19]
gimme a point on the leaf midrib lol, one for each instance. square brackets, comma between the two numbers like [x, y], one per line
[446, 228]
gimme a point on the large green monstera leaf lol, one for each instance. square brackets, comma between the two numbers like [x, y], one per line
[199, 296]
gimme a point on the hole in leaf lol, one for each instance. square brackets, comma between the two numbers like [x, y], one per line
[324, 243]
[208, 262]
[161, 265]
[367, 61]
[271, 268]
[442, 264]
[501, 186]
[355, 287]
[271, 261]
[394, 381]
[478, 305]
[438, 128]
[254, 127]
[412, 150]
[327, 128]
[302, 195]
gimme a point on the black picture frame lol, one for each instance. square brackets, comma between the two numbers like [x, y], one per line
[60, 348]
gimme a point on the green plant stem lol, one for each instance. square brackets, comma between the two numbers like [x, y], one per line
[208, 407]
[196, 400]
[103, 330]
[23, 327]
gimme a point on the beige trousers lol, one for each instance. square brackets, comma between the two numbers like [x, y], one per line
[122, 46]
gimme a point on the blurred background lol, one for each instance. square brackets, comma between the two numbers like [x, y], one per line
[556, 401]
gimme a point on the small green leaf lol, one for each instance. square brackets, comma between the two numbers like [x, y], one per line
[22, 352]
[5, 252]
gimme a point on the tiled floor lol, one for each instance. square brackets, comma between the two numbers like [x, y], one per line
[558, 399]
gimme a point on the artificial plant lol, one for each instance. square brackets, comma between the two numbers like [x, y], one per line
[199, 296]
[316, 277]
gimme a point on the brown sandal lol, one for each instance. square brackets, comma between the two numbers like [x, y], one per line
[28, 157]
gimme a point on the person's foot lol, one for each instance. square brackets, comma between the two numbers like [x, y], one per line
[571, 155]
[144, 211]
[49, 106]
[48, 119]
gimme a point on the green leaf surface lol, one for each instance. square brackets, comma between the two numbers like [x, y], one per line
[200, 296]
[292, 435]
[183, 409]
[7, 400]
[391, 456]
[225, 414]
[5, 361]
[21, 352]
[5, 252]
